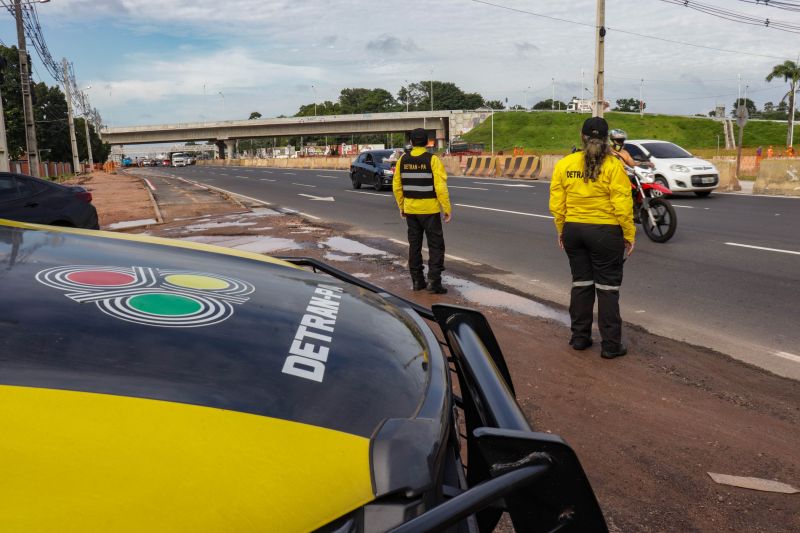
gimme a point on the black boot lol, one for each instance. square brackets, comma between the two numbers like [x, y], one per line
[435, 287]
[419, 284]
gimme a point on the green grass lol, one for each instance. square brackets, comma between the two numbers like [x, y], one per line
[557, 132]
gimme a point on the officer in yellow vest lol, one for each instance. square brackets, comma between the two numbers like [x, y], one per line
[420, 188]
[590, 198]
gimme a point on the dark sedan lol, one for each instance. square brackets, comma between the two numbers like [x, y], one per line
[373, 167]
[29, 199]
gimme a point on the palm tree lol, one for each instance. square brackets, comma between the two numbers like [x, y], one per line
[790, 72]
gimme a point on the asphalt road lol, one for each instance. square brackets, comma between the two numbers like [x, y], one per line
[728, 280]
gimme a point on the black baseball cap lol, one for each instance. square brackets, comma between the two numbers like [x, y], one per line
[419, 137]
[595, 127]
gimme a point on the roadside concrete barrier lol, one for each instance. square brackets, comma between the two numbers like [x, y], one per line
[481, 166]
[520, 167]
[779, 177]
[452, 165]
[727, 176]
[548, 163]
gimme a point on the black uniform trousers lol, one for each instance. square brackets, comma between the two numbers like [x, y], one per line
[595, 254]
[429, 226]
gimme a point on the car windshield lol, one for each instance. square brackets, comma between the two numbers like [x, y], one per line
[666, 151]
[383, 157]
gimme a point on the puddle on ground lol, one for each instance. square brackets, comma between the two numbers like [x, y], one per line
[337, 257]
[349, 246]
[214, 225]
[259, 244]
[495, 298]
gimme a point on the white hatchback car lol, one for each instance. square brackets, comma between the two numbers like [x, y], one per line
[675, 167]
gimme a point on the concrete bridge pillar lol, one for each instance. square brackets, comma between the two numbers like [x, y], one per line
[230, 148]
[441, 139]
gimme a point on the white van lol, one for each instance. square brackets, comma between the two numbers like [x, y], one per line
[179, 159]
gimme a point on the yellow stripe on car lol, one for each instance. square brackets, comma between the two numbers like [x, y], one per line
[150, 240]
[80, 462]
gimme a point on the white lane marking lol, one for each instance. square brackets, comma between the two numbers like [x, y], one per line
[789, 356]
[267, 171]
[503, 184]
[245, 177]
[263, 202]
[265, 179]
[296, 212]
[472, 188]
[324, 176]
[372, 193]
[290, 173]
[147, 181]
[303, 184]
[453, 257]
[322, 198]
[762, 248]
[504, 211]
[684, 206]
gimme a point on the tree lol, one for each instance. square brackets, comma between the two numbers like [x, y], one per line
[752, 110]
[629, 105]
[790, 72]
[495, 104]
[550, 104]
[769, 107]
[255, 115]
[446, 95]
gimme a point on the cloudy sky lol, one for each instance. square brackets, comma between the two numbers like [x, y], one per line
[163, 61]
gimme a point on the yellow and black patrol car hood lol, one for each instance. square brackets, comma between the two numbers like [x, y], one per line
[148, 387]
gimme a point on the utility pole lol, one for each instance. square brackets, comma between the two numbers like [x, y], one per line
[88, 143]
[553, 98]
[76, 162]
[599, 61]
[4, 164]
[641, 98]
[27, 102]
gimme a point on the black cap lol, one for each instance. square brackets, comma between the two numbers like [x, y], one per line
[595, 127]
[419, 137]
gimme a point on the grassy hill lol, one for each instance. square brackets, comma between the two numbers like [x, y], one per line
[557, 132]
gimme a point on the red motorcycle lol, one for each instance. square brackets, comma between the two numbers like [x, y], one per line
[654, 213]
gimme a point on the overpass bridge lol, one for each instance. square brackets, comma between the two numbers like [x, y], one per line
[442, 125]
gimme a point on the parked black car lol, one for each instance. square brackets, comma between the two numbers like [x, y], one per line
[30, 199]
[373, 167]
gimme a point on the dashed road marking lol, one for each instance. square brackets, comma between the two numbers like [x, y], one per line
[792, 252]
[684, 206]
[504, 211]
[289, 173]
[303, 184]
[265, 179]
[372, 193]
[324, 176]
[503, 184]
[472, 188]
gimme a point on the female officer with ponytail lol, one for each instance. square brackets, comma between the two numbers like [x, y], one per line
[590, 198]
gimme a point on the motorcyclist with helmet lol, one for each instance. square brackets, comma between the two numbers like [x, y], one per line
[618, 138]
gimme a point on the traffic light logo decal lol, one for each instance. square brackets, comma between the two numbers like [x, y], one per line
[149, 296]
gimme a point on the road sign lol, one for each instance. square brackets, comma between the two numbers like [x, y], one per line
[741, 116]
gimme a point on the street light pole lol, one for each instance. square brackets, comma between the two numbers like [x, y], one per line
[431, 89]
[599, 64]
[553, 99]
[314, 89]
[407, 94]
[27, 101]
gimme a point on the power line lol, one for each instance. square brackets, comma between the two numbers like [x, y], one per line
[626, 32]
[788, 6]
[735, 16]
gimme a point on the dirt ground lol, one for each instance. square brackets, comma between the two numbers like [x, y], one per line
[121, 196]
[647, 427]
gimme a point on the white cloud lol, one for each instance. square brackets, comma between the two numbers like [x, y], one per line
[264, 50]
